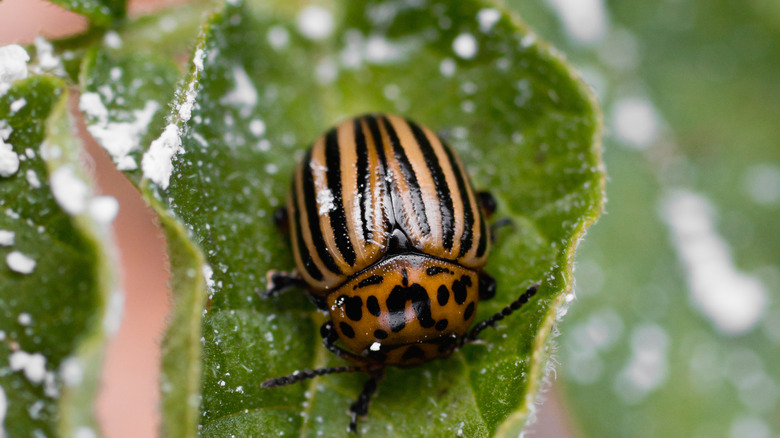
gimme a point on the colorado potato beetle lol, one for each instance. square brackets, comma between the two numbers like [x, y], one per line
[390, 238]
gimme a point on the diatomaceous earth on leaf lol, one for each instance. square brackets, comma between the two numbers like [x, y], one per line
[390, 238]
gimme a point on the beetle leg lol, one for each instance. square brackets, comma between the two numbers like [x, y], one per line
[281, 220]
[278, 282]
[487, 202]
[360, 407]
[487, 286]
[506, 311]
[329, 338]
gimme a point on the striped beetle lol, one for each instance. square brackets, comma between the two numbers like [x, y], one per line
[389, 238]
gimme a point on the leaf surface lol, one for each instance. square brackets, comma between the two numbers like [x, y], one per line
[56, 277]
[271, 82]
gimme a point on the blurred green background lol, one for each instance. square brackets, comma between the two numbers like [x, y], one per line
[676, 329]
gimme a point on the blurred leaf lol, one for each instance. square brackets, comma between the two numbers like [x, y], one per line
[55, 279]
[101, 12]
[514, 112]
[639, 346]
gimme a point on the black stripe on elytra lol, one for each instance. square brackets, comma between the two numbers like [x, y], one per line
[308, 262]
[468, 216]
[374, 279]
[418, 206]
[338, 218]
[440, 182]
[376, 136]
[310, 202]
[483, 236]
[363, 182]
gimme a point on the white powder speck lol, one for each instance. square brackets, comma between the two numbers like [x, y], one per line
[7, 237]
[635, 122]
[648, 367]
[326, 71]
[115, 73]
[70, 191]
[20, 263]
[585, 20]
[447, 67]
[13, 66]
[278, 37]
[32, 179]
[112, 39]
[271, 168]
[157, 163]
[197, 60]
[488, 18]
[315, 23]
[71, 371]
[113, 317]
[85, 432]
[465, 45]
[3, 410]
[734, 301]
[375, 346]
[9, 161]
[762, 183]
[33, 365]
[244, 95]
[380, 50]
[45, 56]
[168, 24]
[325, 201]
[103, 209]
[119, 139]
[257, 127]
[18, 104]
[208, 274]
[24, 318]
[5, 130]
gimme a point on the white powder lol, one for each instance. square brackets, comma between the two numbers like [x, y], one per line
[257, 127]
[24, 319]
[13, 66]
[465, 45]
[635, 121]
[45, 56]
[762, 183]
[9, 161]
[648, 366]
[447, 67]
[20, 263]
[488, 18]
[5, 130]
[103, 209]
[119, 139]
[33, 365]
[17, 105]
[3, 410]
[70, 191]
[278, 37]
[32, 179]
[315, 23]
[244, 95]
[71, 371]
[7, 237]
[112, 39]
[157, 162]
[585, 20]
[734, 301]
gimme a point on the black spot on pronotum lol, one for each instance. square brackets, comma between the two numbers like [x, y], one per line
[406, 277]
[459, 289]
[434, 270]
[442, 324]
[380, 334]
[443, 295]
[469, 311]
[413, 352]
[353, 306]
[347, 329]
[372, 304]
[374, 279]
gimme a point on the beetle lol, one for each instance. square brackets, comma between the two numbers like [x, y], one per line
[390, 239]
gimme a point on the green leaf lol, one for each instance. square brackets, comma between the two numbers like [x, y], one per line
[527, 128]
[56, 280]
[646, 341]
[100, 12]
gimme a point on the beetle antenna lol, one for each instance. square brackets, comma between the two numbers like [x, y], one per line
[506, 311]
[298, 376]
